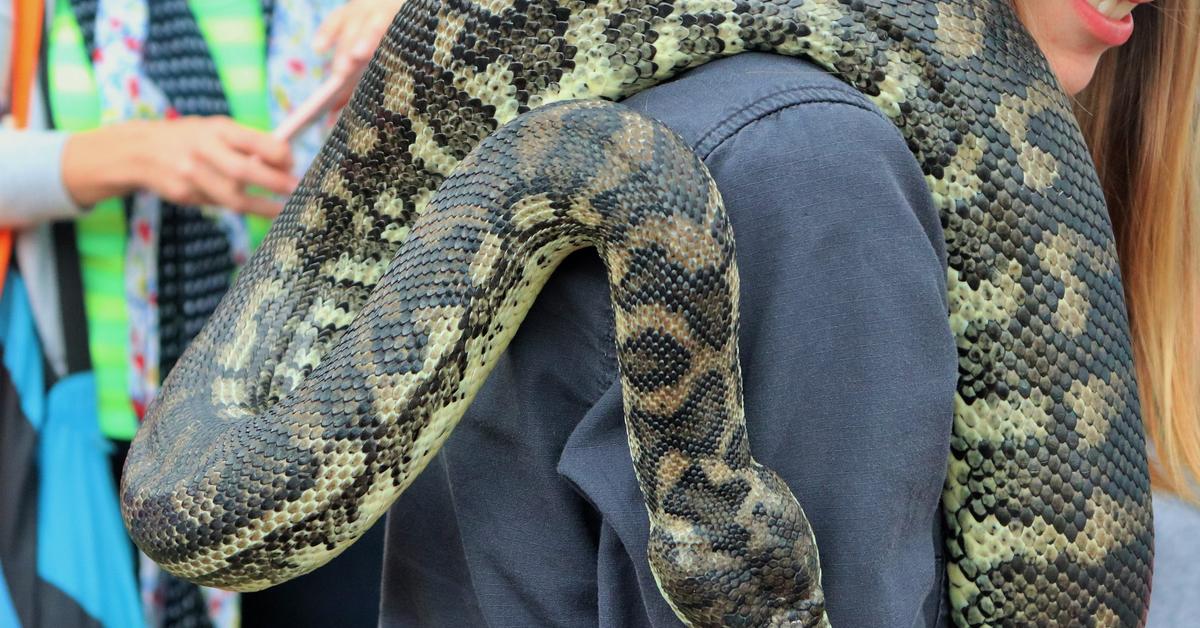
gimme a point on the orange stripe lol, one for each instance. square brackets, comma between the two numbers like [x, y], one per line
[27, 44]
[5, 255]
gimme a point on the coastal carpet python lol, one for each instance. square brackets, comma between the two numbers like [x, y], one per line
[360, 331]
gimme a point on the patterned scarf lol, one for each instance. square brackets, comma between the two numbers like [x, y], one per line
[151, 62]
[194, 255]
[294, 71]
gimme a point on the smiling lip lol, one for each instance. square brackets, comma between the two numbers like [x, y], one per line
[1109, 31]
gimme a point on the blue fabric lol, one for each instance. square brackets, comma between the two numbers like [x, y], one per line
[67, 558]
[531, 515]
[83, 549]
[22, 351]
[8, 614]
[20, 394]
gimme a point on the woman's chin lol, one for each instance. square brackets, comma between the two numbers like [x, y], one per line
[1074, 71]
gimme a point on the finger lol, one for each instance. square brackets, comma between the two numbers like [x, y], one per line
[385, 12]
[255, 172]
[321, 99]
[329, 30]
[179, 186]
[244, 170]
[361, 53]
[179, 191]
[343, 96]
[354, 51]
[274, 152]
[217, 189]
[264, 207]
[369, 38]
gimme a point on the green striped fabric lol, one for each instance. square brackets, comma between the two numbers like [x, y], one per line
[100, 233]
[236, 36]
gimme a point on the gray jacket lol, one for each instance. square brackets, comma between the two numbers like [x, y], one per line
[1175, 601]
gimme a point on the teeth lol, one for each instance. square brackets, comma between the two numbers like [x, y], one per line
[1115, 9]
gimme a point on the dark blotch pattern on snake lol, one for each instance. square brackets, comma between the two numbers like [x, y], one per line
[358, 333]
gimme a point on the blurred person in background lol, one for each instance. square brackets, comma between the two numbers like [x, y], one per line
[135, 174]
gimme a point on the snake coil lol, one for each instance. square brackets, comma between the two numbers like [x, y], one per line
[359, 332]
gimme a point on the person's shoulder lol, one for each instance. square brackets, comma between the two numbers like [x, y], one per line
[709, 105]
[785, 140]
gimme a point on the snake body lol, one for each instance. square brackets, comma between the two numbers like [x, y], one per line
[359, 332]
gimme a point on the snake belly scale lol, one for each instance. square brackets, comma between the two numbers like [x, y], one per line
[358, 333]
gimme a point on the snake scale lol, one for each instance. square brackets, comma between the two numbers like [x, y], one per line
[456, 180]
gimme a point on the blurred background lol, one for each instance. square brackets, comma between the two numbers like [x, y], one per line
[146, 146]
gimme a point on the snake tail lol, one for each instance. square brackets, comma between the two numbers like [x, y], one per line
[729, 544]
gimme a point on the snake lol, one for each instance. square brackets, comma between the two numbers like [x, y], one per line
[486, 141]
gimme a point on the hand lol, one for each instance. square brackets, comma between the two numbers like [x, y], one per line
[189, 161]
[353, 31]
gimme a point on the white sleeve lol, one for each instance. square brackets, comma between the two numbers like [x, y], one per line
[6, 27]
[31, 183]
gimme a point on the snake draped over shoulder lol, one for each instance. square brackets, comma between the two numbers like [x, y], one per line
[454, 183]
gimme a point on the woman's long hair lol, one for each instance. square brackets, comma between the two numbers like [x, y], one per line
[1141, 116]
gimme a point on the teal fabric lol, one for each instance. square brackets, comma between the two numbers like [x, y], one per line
[78, 547]
[22, 351]
[8, 614]
[82, 546]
